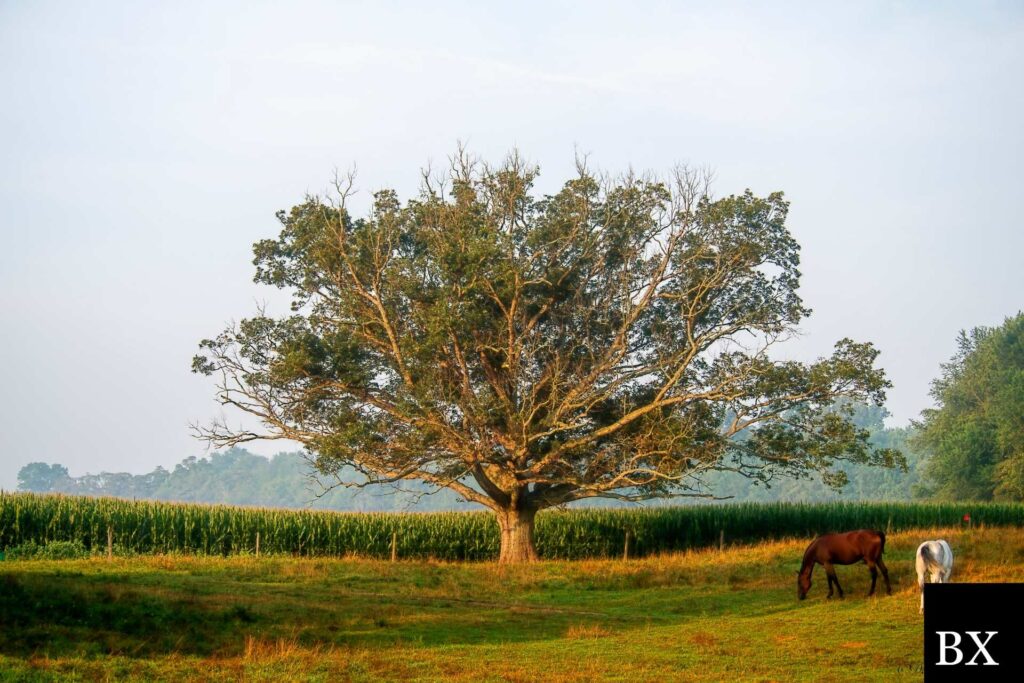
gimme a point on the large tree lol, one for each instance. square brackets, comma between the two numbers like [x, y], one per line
[611, 340]
[975, 434]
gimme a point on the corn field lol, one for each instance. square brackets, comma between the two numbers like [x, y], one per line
[158, 527]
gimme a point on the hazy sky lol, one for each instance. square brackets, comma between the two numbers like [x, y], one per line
[145, 146]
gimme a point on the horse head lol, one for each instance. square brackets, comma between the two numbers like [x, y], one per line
[803, 584]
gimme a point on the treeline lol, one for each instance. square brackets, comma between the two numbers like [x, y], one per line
[975, 433]
[238, 477]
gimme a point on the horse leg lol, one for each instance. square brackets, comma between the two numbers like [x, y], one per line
[920, 584]
[874, 577]
[885, 575]
[831, 571]
[829, 577]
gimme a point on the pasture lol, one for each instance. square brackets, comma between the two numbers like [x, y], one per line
[689, 616]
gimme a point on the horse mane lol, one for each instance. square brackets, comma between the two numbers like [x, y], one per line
[809, 555]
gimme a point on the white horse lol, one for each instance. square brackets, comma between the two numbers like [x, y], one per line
[934, 562]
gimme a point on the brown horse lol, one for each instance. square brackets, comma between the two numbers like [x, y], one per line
[831, 549]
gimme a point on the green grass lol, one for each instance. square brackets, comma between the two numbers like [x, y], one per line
[700, 615]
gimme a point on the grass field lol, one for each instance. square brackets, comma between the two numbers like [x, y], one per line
[702, 615]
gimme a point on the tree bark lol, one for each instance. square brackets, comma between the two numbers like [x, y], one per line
[517, 536]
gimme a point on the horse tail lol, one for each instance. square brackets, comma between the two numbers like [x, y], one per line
[881, 536]
[926, 555]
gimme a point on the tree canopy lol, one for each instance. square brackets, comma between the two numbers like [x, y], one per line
[611, 340]
[975, 434]
[863, 482]
[38, 476]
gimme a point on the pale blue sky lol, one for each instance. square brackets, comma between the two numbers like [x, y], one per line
[145, 146]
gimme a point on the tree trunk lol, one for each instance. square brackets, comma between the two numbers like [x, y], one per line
[517, 536]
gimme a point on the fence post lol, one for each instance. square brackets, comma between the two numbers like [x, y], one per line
[888, 527]
[721, 540]
[110, 542]
[257, 544]
[625, 550]
[394, 546]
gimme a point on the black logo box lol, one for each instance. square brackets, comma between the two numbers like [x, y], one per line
[968, 618]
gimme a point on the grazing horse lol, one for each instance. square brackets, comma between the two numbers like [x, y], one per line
[847, 548]
[935, 562]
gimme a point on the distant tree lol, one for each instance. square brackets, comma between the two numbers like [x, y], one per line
[975, 434]
[607, 341]
[40, 477]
